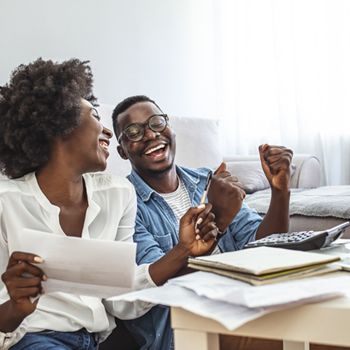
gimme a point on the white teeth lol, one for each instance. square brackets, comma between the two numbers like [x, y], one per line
[154, 149]
[103, 144]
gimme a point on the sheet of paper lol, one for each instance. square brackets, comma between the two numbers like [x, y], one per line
[80, 266]
[341, 248]
[220, 288]
[229, 315]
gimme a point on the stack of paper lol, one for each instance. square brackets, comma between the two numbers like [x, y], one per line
[264, 265]
[232, 302]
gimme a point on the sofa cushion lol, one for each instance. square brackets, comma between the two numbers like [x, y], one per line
[250, 174]
[197, 142]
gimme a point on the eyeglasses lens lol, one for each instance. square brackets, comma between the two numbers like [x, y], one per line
[157, 123]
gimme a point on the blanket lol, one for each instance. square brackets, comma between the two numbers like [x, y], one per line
[325, 201]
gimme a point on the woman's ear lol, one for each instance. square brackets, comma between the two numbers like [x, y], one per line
[121, 152]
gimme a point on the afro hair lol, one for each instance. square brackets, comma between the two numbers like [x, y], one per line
[40, 103]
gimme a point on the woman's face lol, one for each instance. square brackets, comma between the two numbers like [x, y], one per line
[88, 143]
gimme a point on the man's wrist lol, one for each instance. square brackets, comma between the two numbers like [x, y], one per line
[182, 250]
[220, 234]
[222, 226]
[283, 193]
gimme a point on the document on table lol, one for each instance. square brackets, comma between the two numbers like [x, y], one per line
[232, 302]
[229, 315]
[290, 293]
[80, 266]
[341, 248]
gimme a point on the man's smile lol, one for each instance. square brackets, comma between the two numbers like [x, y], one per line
[156, 151]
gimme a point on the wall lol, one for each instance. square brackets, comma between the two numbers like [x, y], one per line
[161, 48]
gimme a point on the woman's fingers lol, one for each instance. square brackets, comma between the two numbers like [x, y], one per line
[205, 221]
[210, 232]
[192, 215]
[20, 293]
[17, 257]
[26, 282]
[22, 268]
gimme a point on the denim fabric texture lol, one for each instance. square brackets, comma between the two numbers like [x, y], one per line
[156, 233]
[52, 340]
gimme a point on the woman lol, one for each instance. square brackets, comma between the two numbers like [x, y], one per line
[51, 140]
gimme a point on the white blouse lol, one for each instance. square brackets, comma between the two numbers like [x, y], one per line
[110, 216]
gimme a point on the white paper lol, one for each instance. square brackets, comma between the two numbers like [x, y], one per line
[341, 248]
[229, 315]
[299, 291]
[80, 266]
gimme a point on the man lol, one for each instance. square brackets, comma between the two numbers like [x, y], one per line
[165, 191]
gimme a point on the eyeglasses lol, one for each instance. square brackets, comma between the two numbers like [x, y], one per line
[135, 132]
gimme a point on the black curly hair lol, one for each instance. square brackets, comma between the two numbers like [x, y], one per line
[124, 105]
[40, 103]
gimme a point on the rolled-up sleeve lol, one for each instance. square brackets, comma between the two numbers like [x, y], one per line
[9, 339]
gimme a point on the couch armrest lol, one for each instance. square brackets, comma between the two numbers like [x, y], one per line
[307, 171]
[306, 168]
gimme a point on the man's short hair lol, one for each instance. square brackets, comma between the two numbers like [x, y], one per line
[125, 104]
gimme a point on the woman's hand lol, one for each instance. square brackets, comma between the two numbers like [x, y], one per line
[198, 230]
[23, 282]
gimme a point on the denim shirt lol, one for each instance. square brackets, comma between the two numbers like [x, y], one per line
[157, 232]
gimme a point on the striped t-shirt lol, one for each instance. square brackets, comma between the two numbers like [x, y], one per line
[179, 200]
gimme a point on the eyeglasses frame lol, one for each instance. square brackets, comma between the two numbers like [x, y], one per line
[144, 125]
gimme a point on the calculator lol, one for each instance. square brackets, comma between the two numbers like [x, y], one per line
[303, 240]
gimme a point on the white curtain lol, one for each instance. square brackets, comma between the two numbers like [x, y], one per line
[283, 75]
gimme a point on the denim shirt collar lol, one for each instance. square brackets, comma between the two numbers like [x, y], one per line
[190, 179]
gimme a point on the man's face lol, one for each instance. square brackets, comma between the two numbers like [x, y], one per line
[155, 153]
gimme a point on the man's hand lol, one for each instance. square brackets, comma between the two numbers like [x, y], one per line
[197, 236]
[23, 281]
[226, 195]
[198, 230]
[275, 161]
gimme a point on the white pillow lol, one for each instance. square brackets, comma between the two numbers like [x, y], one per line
[251, 175]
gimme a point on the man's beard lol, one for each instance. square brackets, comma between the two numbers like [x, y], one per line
[160, 172]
